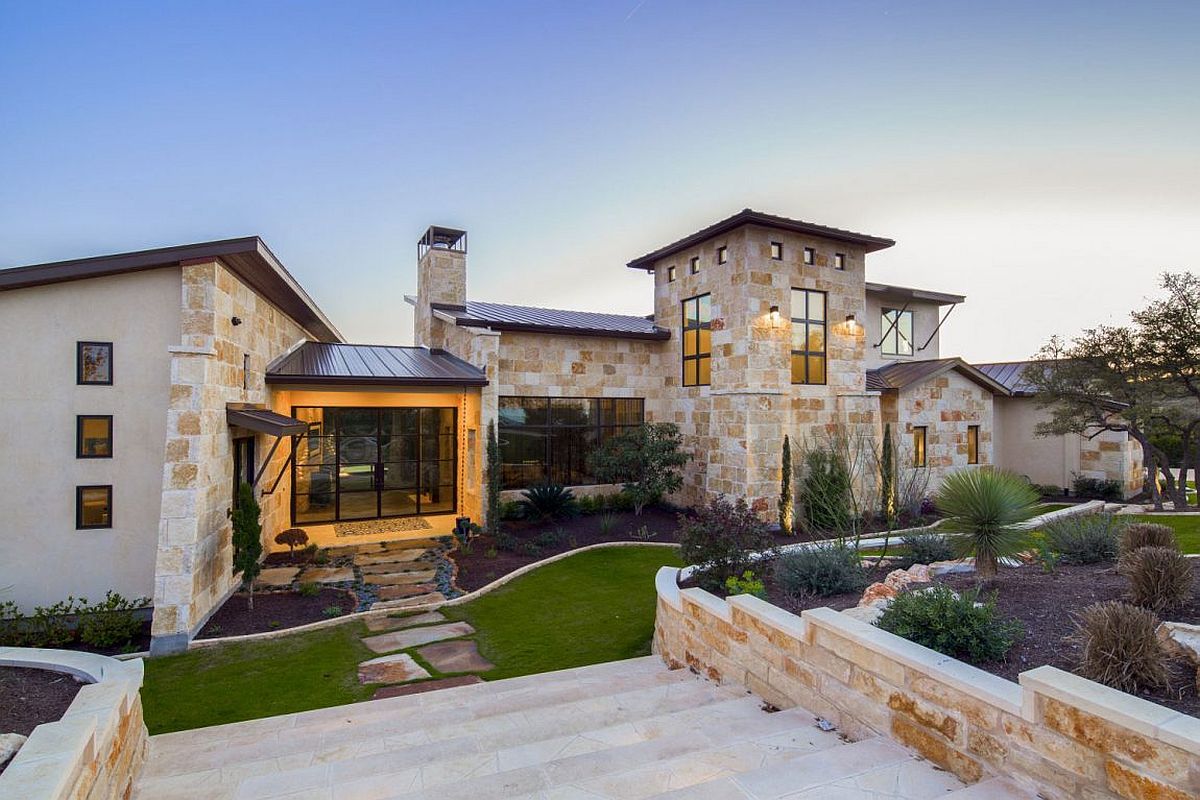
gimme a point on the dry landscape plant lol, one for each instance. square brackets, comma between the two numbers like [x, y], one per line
[1160, 578]
[1146, 534]
[1119, 647]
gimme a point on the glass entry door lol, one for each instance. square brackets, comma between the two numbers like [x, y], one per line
[366, 463]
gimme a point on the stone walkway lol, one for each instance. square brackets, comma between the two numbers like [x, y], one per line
[419, 647]
[627, 729]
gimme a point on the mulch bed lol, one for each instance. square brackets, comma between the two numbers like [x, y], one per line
[1045, 602]
[33, 697]
[273, 611]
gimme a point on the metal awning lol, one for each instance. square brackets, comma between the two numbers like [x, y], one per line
[265, 421]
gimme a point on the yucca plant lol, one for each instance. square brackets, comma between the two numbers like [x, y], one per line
[985, 508]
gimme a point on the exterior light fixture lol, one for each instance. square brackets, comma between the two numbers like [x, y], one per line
[236, 320]
[774, 315]
[852, 321]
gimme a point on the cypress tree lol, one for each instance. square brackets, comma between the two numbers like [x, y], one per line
[887, 476]
[247, 539]
[787, 503]
[493, 480]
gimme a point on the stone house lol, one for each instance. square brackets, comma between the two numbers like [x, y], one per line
[142, 388]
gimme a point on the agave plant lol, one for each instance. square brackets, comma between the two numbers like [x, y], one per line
[986, 508]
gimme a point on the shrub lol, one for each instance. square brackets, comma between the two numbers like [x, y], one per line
[549, 501]
[10, 625]
[494, 512]
[111, 622]
[956, 625]
[1083, 538]
[247, 540]
[987, 507]
[822, 569]
[511, 510]
[787, 500]
[1147, 534]
[746, 584]
[719, 538]
[1049, 490]
[1096, 488]
[332, 611]
[621, 501]
[293, 538]
[607, 522]
[1119, 647]
[590, 504]
[50, 625]
[826, 491]
[647, 459]
[550, 538]
[310, 552]
[926, 548]
[644, 534]
[309, 589]
[1160, 578]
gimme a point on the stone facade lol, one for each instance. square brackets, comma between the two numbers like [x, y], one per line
[215, 363]
[1057, 734]
[946, 406]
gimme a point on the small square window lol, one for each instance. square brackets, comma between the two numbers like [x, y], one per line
[695, 265]
[722, 255]
[810, 255]
[839, 261]
[93, 507]
[93, 436]
[777, 251]
[671, 274]
[93, 363]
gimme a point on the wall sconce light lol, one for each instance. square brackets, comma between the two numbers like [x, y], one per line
[236, 321]
[774, 316]
[852, 321]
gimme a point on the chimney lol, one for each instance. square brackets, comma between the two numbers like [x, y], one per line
[441, 277]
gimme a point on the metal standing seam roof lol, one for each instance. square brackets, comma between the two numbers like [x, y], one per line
[748, 216]
[375, 365]
[901, 374]
[502, 317]
[1011, 374]
[265, 420]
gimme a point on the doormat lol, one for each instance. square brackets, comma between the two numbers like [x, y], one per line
[374, 526]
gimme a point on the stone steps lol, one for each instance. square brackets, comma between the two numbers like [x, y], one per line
[629, 729]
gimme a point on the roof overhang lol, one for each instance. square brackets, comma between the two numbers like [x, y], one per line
[248, 257]
[657, 335]
[342, 380]
[903, 375]
[908, 293]
[749, 216]
[264, 420]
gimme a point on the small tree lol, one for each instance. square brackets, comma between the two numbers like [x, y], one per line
[887, 477]
[293, 538]
[493, 480]
[247, 539]
[646, 459]
[787, 500]
[720, 539]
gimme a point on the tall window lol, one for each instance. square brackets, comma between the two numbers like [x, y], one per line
[93, 507]
[777, 251]
[722, 255]
[93, 436]
[808, 336]
[972, 444]
[547, 439]
[695, 265]
[839, 261]
[697, 341]
[93, 363]
[671, 273]
[898, 332]
[919, 436]
[810, 255]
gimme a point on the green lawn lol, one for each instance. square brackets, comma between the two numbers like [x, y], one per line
[1187, 529]
[592, 607]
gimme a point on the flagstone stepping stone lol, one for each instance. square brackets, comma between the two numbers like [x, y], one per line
[458, 656]
[396, 557]
[377, 624]
[352, 550]
[408, 602]
[398, 668]
[412, 637]
[392, 567]
[401, 578]
[401, 592]
[385, 692]
[326, 575]
[409, 544]
[277, 576]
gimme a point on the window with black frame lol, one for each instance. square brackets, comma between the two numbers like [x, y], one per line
[547, 439]
[697, 341]
[808, 336]
[897, 332]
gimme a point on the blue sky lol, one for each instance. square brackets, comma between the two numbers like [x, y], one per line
[1042, 158]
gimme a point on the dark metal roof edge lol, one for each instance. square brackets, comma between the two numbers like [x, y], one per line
[953, 363]
[916, 294]
[658, 334]
[351, 380]
[749, 216]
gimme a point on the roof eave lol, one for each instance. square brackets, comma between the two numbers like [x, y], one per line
[351, 380]
[659, 334]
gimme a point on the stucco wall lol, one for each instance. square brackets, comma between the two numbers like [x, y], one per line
[42, 556]
[194, 562]
[925, 320]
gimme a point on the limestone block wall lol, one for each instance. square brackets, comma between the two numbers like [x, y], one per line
[1114, 456]
[946, 405]
[215, 363]
[441, 278]
[97, 750]
[1057, 734]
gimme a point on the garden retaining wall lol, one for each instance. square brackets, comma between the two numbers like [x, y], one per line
[97, 749]
[1054, 732]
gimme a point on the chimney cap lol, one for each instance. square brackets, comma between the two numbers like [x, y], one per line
[442, 238]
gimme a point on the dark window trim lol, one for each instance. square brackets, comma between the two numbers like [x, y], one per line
[685, 330]
[839, 261]
[895, 331]
[810, 256]
[79, 420]
[694, 265]
[806, 322]
[548, 463]
[777, 247]
[722, 254]
[671, 274]
[79, 381]
[972, 429]
[921, 457]
[337, 489]
[79, 490]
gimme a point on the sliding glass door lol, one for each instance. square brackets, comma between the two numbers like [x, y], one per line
[366, 463]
